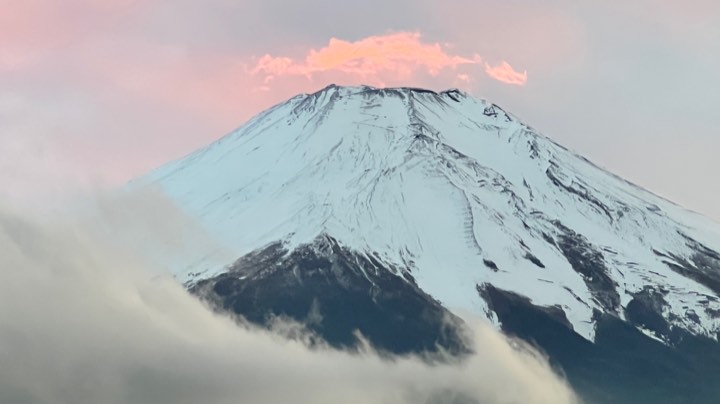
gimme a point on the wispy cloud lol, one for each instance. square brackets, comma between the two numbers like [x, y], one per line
[506, 74]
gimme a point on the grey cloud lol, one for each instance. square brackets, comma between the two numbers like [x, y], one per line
[82, 321]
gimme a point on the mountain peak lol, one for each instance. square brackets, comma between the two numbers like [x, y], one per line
[335, 92]
[367, 89]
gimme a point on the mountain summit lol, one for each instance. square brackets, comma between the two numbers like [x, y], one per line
[407, 202]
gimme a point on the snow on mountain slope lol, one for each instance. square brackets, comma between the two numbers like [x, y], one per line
[459, 193]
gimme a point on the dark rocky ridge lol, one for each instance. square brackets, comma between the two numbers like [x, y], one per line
[335, 292]
[623, 365]
[589, 262]
[703, 266]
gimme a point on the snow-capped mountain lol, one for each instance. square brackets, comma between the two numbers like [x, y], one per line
[452, 193]
[385, 211]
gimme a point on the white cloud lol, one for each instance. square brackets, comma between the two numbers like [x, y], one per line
[83, 322]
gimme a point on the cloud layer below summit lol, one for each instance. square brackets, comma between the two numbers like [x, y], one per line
[84, 320]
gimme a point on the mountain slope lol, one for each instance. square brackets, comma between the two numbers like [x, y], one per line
[384, 210]
[457, 192]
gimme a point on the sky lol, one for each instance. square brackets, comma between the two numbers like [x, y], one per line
[96, 92]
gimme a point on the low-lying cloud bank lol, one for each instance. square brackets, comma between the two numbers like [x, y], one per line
[83, 320]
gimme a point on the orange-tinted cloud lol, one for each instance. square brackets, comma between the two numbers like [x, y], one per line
[505, 73]
[402, 54]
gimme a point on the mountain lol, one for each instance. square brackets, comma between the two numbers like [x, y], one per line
[385, 210]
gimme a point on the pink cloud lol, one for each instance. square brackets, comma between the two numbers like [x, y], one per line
[402, 54]
[506, 74]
